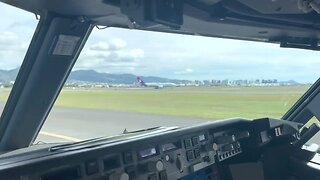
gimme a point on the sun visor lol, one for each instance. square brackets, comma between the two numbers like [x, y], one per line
[168, 13]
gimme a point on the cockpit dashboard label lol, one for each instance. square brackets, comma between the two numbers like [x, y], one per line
[66, 45]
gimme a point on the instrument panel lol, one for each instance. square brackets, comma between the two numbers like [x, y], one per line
[174, 159]
[185, 153]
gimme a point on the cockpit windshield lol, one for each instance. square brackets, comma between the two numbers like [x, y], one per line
[16, 30]
[167, 90]
[130, 79]
[126, 80]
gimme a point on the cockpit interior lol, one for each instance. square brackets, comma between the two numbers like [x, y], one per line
[228, 149]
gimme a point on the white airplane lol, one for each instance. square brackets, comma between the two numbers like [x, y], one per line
[155, 85]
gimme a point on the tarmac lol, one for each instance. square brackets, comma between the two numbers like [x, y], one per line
[76, 124]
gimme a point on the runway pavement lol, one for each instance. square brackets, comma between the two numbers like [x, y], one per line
[74, 124]
[68, 124]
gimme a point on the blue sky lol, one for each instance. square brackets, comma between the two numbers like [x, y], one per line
[166, 55]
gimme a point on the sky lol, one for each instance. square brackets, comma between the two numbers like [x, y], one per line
[174, 56]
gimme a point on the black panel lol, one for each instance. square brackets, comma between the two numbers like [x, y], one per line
[92, 167]
[72, 173]
[112, 162]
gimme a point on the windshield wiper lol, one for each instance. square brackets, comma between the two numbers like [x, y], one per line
[90, 143]
[141, 130]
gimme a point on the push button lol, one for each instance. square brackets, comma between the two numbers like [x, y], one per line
[190, 155]
[195, 141]
[187, 143]
[197, 153]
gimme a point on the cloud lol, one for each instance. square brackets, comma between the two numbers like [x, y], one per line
[12, 50]
[109, 56]
[16, 30]
[101, 46]
[9, 41]
[113, 45]
[186, 71]
[118, 43]
[133, 54]
[118, 50]
[113, 56]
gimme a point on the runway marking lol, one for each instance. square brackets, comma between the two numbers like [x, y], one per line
[68, 138]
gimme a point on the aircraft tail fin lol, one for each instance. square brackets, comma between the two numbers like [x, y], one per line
[141, 82]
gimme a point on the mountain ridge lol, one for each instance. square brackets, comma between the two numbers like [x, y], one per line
[92, 76]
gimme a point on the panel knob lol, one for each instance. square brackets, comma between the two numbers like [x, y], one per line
[119, 176]
[152, 166]
[159, 165]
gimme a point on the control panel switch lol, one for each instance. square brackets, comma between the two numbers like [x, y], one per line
[225, 139]
[179, 163]
[119, 176]
[152, 166]
[228, 147]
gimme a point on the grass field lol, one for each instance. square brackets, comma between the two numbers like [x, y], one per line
[201, 102]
